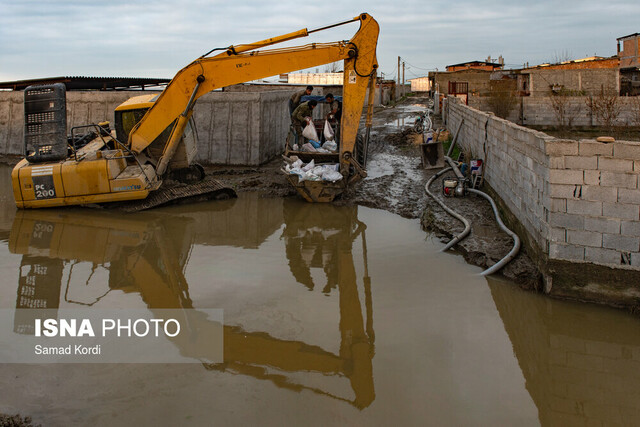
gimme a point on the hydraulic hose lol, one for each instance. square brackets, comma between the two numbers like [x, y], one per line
[467, 224]
[516, 240]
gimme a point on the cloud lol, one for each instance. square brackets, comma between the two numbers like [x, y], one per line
[134, 38]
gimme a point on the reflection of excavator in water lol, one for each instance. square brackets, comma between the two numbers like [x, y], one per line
[147, 254]
[153, 136]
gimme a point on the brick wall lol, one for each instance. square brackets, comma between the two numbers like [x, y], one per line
[577, 200]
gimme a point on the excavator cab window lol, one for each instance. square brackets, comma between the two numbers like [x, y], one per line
[126, 120]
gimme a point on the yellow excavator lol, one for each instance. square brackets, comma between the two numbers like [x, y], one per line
[152, 133]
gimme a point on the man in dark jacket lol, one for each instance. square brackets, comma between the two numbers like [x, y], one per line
[295, 99]
[335, 107]
[300, 114]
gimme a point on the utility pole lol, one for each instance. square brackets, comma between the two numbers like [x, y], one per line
[398, 84]
[403, 86]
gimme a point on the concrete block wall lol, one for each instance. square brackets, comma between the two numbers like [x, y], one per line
[515, 163]
[233, 128]
[595, 199]
[578, 200]
[538, 111]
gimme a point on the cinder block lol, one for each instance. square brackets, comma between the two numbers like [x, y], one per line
[594, 148]
[558, 205]
[615, 165]
[627, 150]
[561, 147]
[602, 225]
[566, 252]
[635, 261]
[636, 166]
[626, 195]
[630, 228]
[581, 162]
[603, 194]
[621, 243]
[614, 179]
[602, 256]
[569, 221]
[558, 235]
[584, 207]
[563, 191]
[592, 177]
[556, 162]
[621, 210]
[584, 238]
[566, 176]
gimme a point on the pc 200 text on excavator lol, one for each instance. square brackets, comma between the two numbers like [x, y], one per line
[153, 134]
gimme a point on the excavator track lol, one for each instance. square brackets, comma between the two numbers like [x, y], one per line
[209, 189]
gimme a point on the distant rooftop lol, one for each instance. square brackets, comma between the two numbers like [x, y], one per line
[629, 36]
[90, 83]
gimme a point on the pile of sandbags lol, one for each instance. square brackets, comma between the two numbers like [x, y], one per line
[311, 172]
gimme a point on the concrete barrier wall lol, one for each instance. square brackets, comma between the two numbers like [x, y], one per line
[578, 200]
[233, 128]
[539, 111]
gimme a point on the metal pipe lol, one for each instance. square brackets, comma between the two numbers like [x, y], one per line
[516, 240]
[467, 225]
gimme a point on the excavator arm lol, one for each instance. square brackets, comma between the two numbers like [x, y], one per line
[245, 63]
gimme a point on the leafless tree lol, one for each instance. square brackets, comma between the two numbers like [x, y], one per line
[635, 110]
[605, 107]
[564, 109]
[334, 67]
[561, 56]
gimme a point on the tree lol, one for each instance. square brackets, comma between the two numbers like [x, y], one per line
[605, 107]
[564, 110]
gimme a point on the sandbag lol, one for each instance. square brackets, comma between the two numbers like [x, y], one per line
[309, 132]
[330, 146]
[328, 131]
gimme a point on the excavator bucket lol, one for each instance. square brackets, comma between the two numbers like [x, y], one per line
[316, 191]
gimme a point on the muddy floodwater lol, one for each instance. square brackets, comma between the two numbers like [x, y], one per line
[333, 316]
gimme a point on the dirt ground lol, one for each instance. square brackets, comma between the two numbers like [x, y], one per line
[396, 183]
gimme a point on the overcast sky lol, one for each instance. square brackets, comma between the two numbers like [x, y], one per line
[156, 39]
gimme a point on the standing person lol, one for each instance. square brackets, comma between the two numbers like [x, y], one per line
[294, 101]
[300, 115]
[335, 107]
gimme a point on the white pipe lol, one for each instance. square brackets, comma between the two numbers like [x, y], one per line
[516, 240]
[467, 225]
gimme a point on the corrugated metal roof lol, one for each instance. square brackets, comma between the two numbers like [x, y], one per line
[90, 83]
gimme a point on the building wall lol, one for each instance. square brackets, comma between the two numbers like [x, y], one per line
[478, 80]
[577, 200]
[316, 78]
[630, 53]
[421, 84]
[582, 64]
[586, 82]
[233, 128]
[539, 111]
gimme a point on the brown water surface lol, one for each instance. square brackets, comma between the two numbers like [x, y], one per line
[334, 315]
